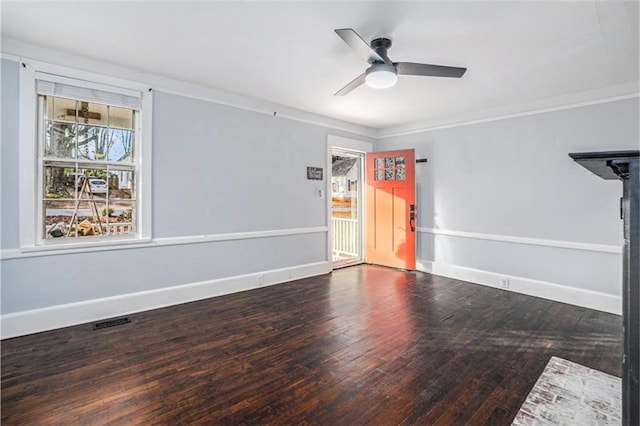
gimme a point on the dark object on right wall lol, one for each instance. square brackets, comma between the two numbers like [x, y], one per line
[625, 165]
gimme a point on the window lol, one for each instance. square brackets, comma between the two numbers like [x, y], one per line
[88, 180]
[389, 168]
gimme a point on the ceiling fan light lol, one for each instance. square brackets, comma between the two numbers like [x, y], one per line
[381, 76]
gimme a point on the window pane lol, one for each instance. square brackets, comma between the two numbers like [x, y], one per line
[93, 183]
[121, 117]
[379, 175]
[90, 221]
[60, 140]
[57, 217]
[74, 179]
[92, 142]
[57, 183]
[120, 146]
[121, 184]
[389, 162]
[63, 109]
[400, 168]
[379, 163]
[90, 113]
[122, 218]
[388, 174]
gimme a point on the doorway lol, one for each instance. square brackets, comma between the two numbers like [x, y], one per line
[347, 179]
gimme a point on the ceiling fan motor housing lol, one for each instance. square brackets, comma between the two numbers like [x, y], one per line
[381, 45]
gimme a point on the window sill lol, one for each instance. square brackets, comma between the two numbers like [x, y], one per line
[73, 248]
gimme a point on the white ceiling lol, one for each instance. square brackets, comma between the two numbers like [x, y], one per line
[516, 52]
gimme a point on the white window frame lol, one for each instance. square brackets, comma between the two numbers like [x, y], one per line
[29, 183]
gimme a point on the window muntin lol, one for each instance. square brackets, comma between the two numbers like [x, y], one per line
[80, 143]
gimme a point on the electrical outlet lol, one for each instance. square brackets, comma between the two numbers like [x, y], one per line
[504, 283]
[260, 279]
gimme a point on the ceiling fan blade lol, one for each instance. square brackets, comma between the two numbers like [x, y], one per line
[354, 84]
[359, 46]
[411, 68]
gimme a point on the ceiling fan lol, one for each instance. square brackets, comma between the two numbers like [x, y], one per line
[383, 73]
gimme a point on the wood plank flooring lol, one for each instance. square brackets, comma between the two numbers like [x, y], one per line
[364, 345]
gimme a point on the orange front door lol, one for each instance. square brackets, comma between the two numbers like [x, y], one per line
[391, 200]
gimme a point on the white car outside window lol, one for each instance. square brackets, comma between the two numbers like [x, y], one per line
[98, 186]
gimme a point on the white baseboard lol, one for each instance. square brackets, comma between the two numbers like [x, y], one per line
[546, 290]
[49, 318]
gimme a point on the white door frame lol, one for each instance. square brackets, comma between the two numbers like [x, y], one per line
[348, 144]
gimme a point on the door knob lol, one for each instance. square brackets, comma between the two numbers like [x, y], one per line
[412, 217]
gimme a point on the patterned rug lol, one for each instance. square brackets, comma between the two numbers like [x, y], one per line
[571, 394]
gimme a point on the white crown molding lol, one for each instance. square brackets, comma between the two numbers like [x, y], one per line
[52, 317]
[8, 56]
[18, 51]
[156, 242]
[575, 100]
[551, 291]
[602, 248]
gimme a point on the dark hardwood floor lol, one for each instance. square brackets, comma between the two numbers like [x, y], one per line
[364, 345]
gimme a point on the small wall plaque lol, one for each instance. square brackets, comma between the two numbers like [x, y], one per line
[314, 173]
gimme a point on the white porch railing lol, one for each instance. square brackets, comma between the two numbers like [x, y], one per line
[346, 241]
[119, 228]
[114, 228]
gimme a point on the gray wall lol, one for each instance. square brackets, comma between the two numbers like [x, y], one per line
[232, 171]
[9, 125]
[216, 170]
[513, 177]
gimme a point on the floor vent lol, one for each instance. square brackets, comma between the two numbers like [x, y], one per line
[111, 323]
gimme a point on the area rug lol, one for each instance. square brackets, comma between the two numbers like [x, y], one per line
[571, 394]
